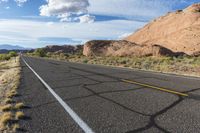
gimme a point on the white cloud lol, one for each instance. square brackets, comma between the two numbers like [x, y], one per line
[87, 19]
[59, 7]
[65, 17]
[65, 10]
[27, 33]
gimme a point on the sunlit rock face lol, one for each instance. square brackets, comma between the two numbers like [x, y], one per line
[178, 31]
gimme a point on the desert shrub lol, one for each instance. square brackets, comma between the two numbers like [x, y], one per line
[197, 61]
[62, 56]
[4, 57]
[66, 54]
[85, 61]
[30, 54]
[123, 61]
[48, 54]
[146, 64]
[13, 53]
[40, 52]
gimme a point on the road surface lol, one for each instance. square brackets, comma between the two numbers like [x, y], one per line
[106, 99]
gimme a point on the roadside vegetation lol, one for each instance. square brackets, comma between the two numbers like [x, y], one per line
[180, 65]
[10, 111]
[39, 52]
[8, 56]
[184, 65]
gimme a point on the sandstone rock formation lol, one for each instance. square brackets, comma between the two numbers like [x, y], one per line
[123, 48]
[178, 31]
[174, 34]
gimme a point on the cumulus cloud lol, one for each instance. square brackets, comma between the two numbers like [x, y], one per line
[87, 19]
[27, 33]
[66, 10]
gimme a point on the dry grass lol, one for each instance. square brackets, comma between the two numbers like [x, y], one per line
[183, 65]
[19, 106]
[11, 94]
[19, 115]
[6, 108]
[15, 127]
[13, 91]
[9, 82]
[5, 119]
[9, 76]
[8, 101]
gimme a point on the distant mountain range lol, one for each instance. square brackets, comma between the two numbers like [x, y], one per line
[12, 47]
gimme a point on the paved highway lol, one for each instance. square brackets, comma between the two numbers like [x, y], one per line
[75, 98]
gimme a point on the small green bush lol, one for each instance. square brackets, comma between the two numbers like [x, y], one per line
[4, 57]
[13, 53]
[40, 52]
[85, 61]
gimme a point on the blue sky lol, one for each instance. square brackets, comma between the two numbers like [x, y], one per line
[36, 23]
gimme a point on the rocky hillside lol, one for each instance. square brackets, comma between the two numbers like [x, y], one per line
[178, 31]
[64, 48]
[123, 48]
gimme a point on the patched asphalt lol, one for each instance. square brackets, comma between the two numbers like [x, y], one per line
[103, 101]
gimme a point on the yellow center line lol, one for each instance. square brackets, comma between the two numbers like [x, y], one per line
[154, 87]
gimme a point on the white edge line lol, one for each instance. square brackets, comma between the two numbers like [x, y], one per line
[74, 116]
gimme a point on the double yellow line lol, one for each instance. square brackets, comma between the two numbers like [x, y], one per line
[155, 87]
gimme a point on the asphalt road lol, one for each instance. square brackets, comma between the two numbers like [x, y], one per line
[108, 100]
